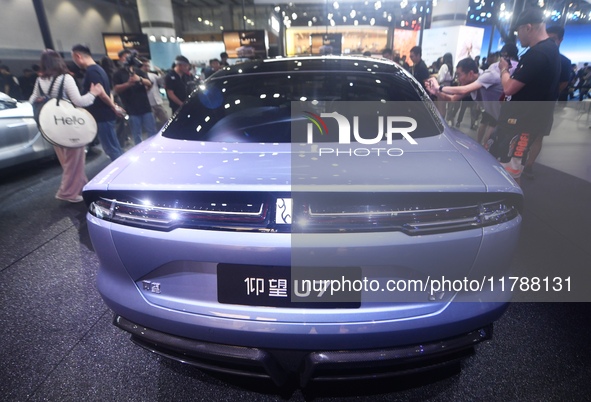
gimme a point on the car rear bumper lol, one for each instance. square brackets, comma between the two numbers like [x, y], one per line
[280, 365]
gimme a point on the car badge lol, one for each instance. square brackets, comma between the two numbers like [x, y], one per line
[283, 209]
[150, 286]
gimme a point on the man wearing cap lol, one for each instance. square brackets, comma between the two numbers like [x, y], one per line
[176, 82]
[531, 92]
[132, 85]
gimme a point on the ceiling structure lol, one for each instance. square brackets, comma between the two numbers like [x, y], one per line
[210, 3]
[368, 13]
[190, 3]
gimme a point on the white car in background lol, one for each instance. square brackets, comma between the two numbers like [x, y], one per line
[20, 139]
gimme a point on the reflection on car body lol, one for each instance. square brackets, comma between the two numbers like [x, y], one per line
[20, 139]
[222, 240]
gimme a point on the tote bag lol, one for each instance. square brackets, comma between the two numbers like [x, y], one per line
[63, 124]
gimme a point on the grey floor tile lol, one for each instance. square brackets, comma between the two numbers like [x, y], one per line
[48, 302]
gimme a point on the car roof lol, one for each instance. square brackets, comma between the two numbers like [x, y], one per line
[312, 63]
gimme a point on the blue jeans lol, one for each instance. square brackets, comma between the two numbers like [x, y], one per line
[139, 121]
[108, 138]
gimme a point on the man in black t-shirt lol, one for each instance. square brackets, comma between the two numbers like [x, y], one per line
[419, 68]
[132, 84]
[581, 73]
[27, 82]
[556, 33]
[177, 81]
[224, 59]
[10, 84]
[104, 113]
[533, 90]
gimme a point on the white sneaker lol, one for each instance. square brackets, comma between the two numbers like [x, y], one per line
[76, 199]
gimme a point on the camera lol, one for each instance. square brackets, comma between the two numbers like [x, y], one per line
[132, 60]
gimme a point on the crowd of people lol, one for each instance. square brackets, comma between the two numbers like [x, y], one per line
[115, 94]
[511, 99]
[501, 92]
[54, 73]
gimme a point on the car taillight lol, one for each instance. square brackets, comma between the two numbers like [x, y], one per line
[411, 220]
[159, 217]
[413, 214]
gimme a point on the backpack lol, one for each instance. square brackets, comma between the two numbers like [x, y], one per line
[41, 100]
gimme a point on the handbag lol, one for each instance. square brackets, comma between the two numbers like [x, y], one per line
[65, 125]
[41, 100]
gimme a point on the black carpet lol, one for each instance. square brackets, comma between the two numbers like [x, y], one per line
[57, 342]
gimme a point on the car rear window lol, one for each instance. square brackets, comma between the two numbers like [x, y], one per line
[258, 107]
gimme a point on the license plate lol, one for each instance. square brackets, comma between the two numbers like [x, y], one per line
[280, 286]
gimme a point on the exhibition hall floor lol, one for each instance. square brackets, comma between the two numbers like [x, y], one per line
[58, 342]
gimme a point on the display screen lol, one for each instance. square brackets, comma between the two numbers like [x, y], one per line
[326, 43]
[246, 44]
[115, 42]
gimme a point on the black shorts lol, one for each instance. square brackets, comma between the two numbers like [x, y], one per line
[488, 120]
[509, 144]
[511, 147]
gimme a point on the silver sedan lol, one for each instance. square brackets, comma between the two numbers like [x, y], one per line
[308, 217]
[20, 139]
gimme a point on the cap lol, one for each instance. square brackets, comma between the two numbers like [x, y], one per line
[181, 60]
[532, 15]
